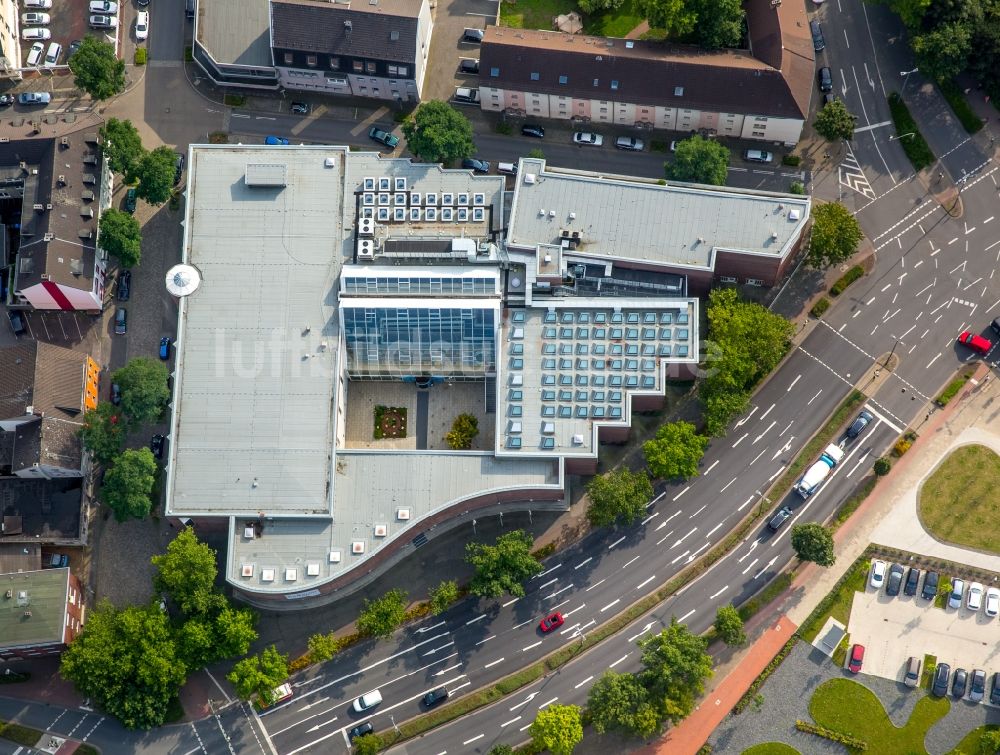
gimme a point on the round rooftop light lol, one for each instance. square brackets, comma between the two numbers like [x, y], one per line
[183, 280]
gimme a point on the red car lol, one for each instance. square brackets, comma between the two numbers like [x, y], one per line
[857, 658]
[974, 342]
[552, 621]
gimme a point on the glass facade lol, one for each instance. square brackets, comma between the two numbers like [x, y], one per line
[398, 342]
[460, 286]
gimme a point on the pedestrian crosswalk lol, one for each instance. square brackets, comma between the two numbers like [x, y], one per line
[852, 175]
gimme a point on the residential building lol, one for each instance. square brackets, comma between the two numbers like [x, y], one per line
[60, 187]
[41, 610]
[232, 43]
[760, 93]
[10, 44]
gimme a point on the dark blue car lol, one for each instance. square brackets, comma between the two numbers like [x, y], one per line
[165, 348]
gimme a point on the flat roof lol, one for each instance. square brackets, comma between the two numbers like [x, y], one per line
[683, 225]
[36, 612]
[236, 32]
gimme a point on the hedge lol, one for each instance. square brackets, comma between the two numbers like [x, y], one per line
[851, 504]
[820, 307]
[952, 390]
[777, 586]
[847, 740]
[846, 280]
[20, 734]
[953, 93]
[792, 160]
[915, 146]
[140, 56]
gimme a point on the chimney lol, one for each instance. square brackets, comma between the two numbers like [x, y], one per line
[348, 26]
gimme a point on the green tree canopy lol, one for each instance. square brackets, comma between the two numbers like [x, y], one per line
[438, 133]
[989, 743]
[596, 6]
[155, 173]
[259, 674]
[97, 70]
[187, 573]
[813, 542]
[675, 669]
[122, 146]
[835, 235]
[121, 237]
[699, 160]
[443, 595]
[557, 729]
[129, 484]
[835, 121]
[370, 744]
[196, 642]
[127, 663]
[943, 53]
[503, 567]
[676, 451]
[620, 495]
[720, 22]
[381, 617]
[103, 432]
[143, 382]
[322, 647]
[676, 17]
[721, 406]
[463, 431]
[234, 631]
[729, 626]
[501, 749]
[619, 702]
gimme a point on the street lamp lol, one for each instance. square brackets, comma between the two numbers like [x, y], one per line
[906, 77]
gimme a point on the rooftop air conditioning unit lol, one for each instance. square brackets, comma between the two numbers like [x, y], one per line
[366, 249]
[366, 227]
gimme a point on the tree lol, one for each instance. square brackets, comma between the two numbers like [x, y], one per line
[443, 596]
[722, 406]
[676, 451]
[370, 744]
[748, 340]
[143, 382]
[596, 6]
[910, 11]
[155, 173]
[438, 133]
[187, 573]
[557, 729]
[835, 235]
[121, 237]
[103, 432]
[322, 647]
[698, 160]
[674, 16]
[989, 742]
[259, 674]
[503, 567]
[97, 70]
[620, 495]
[129, 484]
[835, 121]
[813, 542]
[619, 702]
[729, 626]
[196, 642]
[127, 663]
[501, 749]
[463, 430]
[882, 466]
[675, 669]
[381, 617]
[943, 52]
[720, 22]
[122, 145]
[234, 631]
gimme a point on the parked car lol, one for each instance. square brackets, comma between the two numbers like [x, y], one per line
[629, 144]
[121, 321]
[553, 621]
[780, 517]
[857, 658]
[878, 574]
[130, 199]
[6, 99]
[116, 394]
[361, 730]
[588, 138]
[299, 108]
[103, 6]
[477, 166]
[35, 19]
[179, 167]
[895, 580]
[434, 697]
[959, 682]
[367, 701]
[124, 285]
[53, 55]
[43, 4]
[101, 21]
[467, 95]
[995, 326]
[912, 676]
[533, 130]
[142, 24]
[16, 322]
[469, 66]
[156, 446]
[35, 32]
[383, 137]
[992, 601]
[277, 695]
[58, 561]
[757, 156]
[957, 592]
[912, 580]
[825, 79]
[35, 53]
[673, 145]
[974, 600]
[475, 36]
[995, 689]
[165, 348]
[72, 49]
[930, 585]
[817, 35]
[977, 685]
[859, 425]
[976, 343]
[273, 141]
[942, 672]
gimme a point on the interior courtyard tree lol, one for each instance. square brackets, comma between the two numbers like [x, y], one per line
[439, 133]
[503, 567]
[618, 496]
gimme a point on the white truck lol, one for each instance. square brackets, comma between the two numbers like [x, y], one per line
[819, 471]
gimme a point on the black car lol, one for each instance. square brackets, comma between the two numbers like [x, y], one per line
[473, 35]
[121, 321]
[477, 166]
[16, 322]
[779, 519]
[156, 446]
[73, 47]
[959, 683]
[178, 168]
[895, 580]
[930, 585]
[995, 326]
[116, 394]
[858, 426]
[435, 696]
[995, 690]
[941, 674]
[533, 130]
[817, 34]
[300, 108]
[361, 730]
[825, 79]
[130, 200]
[124, 285]
[468, 65]
[6, 99]
[912, 580]
[977, 685]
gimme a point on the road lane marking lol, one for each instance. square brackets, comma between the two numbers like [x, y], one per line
[493, 663]
[589, 678]
[529, 647]
[612, 604]
[645, 582]
[470, 741]
[612, 665]
[587, 560]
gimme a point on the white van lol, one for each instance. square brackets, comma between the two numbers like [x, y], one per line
[509, 169]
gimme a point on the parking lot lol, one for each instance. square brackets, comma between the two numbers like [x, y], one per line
[894, 628]
[68, 22]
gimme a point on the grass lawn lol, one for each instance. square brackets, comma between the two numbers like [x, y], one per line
[851, 708]
[538, 14]
[959, 503]
[840, 608]
[771, 748]
[615, 23]
[970, 742]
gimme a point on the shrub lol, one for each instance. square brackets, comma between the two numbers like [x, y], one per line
[463, 430]
[899, 448]
[234, 100]
[915, 146]
[952, 390]
[504, 128]
[882, 466]
[820, 307]
[140, 56]
[847, 740]
[218, 137]
[792, 160]
[953, 93]
[797, 187]
[846, 280]
[544, 552]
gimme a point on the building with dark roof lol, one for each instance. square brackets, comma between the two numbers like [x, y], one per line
[62, 184]
[759, 93]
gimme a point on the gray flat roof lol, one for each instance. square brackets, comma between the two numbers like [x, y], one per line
[236, 32]
[681, 225]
